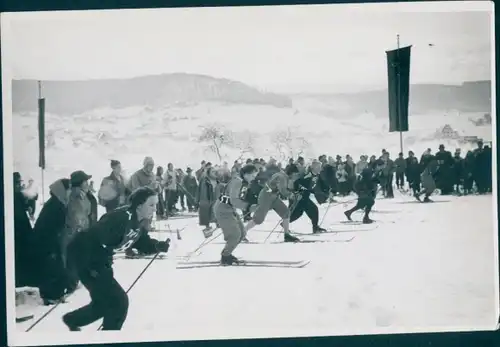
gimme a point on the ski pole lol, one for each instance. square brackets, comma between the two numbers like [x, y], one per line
[140, 275]
[294, 205]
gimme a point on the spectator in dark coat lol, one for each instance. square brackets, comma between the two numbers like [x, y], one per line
[413, 172]
[468, 172]
[444, 174]
[23, 238]
[191, 186]
[49, 227]
[458, 171]
[400, 164]
[206, 199]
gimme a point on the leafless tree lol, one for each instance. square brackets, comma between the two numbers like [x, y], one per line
[288, 143]
[216, 137]
[244, 142]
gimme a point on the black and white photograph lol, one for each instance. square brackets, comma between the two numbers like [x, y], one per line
[249, 172]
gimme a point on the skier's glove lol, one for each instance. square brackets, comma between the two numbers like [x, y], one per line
[253, 208]
[162, 246]
[303, 189]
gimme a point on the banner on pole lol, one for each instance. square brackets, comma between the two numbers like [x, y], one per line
[398, 73]
[41, 133]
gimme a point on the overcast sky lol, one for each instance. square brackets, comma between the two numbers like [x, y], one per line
[286, 48]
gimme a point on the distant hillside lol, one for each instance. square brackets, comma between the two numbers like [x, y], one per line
[75, 97]
[424, 98]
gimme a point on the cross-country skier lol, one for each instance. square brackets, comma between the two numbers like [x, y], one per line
[366, 189]
[269, 199]
[92, 253]
[301, 202]
[428, 182]
[233, 197]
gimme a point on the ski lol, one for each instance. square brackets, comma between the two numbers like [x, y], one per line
[246, 263]
[337, 230]
[144, 256]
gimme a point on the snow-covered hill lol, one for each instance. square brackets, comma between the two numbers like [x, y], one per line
[172, 134]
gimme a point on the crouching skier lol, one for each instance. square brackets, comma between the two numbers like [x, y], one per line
[233, 197]
[92, 253]
[269, 199]
[366, 188]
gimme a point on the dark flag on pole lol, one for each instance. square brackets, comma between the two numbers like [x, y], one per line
[398, 72]
[41, 133]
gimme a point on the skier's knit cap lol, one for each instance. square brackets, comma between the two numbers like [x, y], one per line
[78, 177]
[148, 161]
[291, 169]
[247, 169]
[114, 163]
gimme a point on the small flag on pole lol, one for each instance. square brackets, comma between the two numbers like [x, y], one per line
[398, 72]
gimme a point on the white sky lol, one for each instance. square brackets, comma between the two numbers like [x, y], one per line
[281, 48]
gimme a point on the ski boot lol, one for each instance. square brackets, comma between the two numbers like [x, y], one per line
[208, 232]
[70, 326]
[290, 238]
[317, 230]
[367, 220]
[348, 214]
[228, 260]
[426, 199]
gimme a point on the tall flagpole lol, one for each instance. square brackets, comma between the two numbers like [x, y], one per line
[399, 99]
[42, 167]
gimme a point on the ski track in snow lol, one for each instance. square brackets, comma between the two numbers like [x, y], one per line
[427, 266]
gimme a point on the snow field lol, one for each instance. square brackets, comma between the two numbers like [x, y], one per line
[426, 267]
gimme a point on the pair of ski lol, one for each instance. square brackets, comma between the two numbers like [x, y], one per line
[186, 264]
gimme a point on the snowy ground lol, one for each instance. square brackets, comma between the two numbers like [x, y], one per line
[426, 267]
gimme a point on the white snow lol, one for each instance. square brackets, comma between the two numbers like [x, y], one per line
[426, 267]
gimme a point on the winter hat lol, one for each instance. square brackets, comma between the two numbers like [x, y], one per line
[17, 178]
[148, 161]
[114, 163]
[78, 177]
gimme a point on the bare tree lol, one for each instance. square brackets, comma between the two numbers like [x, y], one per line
[244, 142]
[216, 137]
[289, 144]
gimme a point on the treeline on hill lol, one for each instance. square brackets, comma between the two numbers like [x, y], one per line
[75, 97]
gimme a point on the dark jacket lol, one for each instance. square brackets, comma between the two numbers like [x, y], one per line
[365, 185]
[92, 250]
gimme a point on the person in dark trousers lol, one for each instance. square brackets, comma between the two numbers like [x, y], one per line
[444, 174]
[458, 172]
[23, 237]
[413, 172]
[92, 252]
[301, 201]
[400, 164]
[48, 229]
[191, 187]
[366, 189]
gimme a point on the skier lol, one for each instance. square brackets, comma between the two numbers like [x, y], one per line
[233, 196]
[366, 189]
[92, 252]
[301, 202]
[269, 199]
[428, 183]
